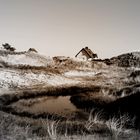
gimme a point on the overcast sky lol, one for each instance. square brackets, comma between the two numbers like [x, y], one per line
[63, 27]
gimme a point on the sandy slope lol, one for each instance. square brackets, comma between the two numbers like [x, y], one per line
[11, 78]
[25, 58]
[29, 70]
[70, 71]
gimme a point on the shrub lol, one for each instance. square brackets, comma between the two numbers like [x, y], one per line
[32, 50]
[8, 47]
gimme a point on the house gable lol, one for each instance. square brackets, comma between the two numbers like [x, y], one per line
[86, 52]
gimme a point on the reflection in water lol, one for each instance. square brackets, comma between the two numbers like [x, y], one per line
[59, 105]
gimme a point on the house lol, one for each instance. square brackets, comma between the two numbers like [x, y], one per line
[86, 53]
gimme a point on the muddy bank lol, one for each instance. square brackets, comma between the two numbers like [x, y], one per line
[28, 96]
[127, 105]
[49, 91]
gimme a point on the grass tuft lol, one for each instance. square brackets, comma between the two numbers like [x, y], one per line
[117, 126]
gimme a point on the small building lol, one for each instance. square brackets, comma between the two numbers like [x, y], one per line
[86, 53]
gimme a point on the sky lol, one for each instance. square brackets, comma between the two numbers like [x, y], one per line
[63, 27]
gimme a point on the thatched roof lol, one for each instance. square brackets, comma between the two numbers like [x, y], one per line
[87, 52]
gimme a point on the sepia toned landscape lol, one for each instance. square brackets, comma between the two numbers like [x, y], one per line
[69, 69]
[68, 98]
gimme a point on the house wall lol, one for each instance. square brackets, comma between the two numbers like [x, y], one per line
[82, 55]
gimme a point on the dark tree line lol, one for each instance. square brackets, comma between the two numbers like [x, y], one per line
[8, 47]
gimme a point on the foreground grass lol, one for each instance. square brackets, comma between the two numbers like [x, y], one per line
[21, 127]
[13, 127]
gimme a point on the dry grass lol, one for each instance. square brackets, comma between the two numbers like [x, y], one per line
[93, 119]
[12, 127]
[117, 126]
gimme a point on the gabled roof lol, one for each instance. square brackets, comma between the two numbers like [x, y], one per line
[87, 51]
